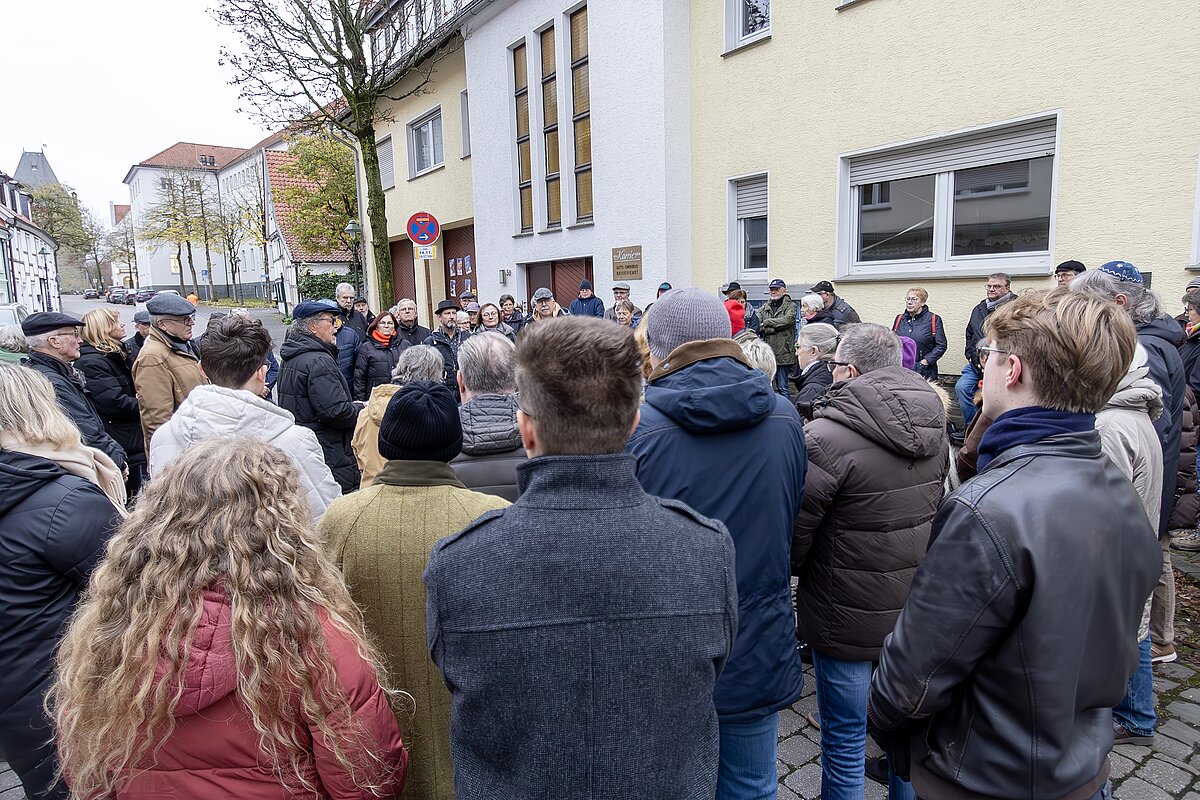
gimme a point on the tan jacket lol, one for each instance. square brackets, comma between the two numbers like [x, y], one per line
[366, 433]
[163, 376]
[381, 537]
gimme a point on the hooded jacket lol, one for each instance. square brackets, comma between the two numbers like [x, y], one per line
[591, 307]
[1186, 513]
[214, 411]
[165, 371]
[504, 329]
[214, 750]
[778, 329]
[878, 454]
[374, 364]
[53, 528]
[75, 399]
[410, 335]
[1161, 338]
[492, 447]
[706, 411]
[312, 388]
[110, 384]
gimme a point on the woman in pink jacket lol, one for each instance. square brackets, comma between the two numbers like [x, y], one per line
[218, 653]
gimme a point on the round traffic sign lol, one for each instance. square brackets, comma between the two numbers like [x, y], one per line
[423, 228]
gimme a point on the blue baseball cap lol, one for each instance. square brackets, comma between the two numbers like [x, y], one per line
[311, 308]
[1122, 271]
[777, 284]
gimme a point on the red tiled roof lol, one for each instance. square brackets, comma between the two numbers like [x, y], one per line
[277, 179]
[119, 213]
[186, 155]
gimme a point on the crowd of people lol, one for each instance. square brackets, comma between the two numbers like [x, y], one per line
[585, 551]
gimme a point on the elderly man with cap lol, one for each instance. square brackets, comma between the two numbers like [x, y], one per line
[586, 304]
[543, 306]
[663, 288]
[141, 325]
[53, 340]
[313, 388]
[706, 409]
[837, 312]
[620, 292]
[1065, 272]
[778, 329]
[168, 366]
[381, 538]
[446, 340]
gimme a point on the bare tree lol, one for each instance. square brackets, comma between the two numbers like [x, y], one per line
[120, 246]
[315, 62]
[175, 219]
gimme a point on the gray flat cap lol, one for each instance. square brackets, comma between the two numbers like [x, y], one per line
[621, 285]
[170, 305]
[543, 294]
[141, 317]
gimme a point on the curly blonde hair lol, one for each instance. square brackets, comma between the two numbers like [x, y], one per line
[252, 538]
[97, 330]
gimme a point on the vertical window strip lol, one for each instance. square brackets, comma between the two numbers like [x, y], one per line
[581, 106]
[550, 129]
[524, 168]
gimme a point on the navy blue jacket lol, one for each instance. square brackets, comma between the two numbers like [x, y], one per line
[714, 435]
[927, 330]
[592, 307]
[1161, 339]
[348, 343]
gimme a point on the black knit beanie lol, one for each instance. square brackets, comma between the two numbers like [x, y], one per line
[421, 423]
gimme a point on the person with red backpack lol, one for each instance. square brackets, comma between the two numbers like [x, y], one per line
[925, 328]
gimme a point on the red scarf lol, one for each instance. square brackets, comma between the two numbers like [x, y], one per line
[379, 337]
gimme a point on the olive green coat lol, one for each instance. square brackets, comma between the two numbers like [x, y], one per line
[778, 329]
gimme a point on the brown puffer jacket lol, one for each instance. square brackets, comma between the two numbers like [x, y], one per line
[877, 456]
[1187, 501]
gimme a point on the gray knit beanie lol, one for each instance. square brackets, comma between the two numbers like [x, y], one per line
[685, 315]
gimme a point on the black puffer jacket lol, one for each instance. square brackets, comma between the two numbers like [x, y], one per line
[1186, 513]
[74, 397]
[374, 366]
[974, 333]
[1020, 631]
[312, 387]
[448, 347]
[877, 456]
[492, 446]
[110, 382]
[1161, 338]
[53, 527]
[407, 337]
[811, 386]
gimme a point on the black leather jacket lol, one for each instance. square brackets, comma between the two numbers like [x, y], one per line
[1020, 630]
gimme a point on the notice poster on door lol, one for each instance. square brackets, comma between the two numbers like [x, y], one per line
[467, 285]
[459, 261]
[451, 267]
[453, 290]
[467, 260]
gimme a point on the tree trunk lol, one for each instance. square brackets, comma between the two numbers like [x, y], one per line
[377, 217]
[179, 261]
[192, 269]
[207, 248]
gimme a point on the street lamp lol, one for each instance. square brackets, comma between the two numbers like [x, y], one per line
[45, 282]
[354, 231]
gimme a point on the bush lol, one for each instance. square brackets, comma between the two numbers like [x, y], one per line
[322, 286]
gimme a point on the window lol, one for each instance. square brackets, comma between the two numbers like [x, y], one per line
[164, 183]
[524, 167]
[208, 161]
[748, 229]
[746, 21]
[464, 109]
[581, 115]
[963, 203]
[425, 144]
[550, 130]
[387, 169]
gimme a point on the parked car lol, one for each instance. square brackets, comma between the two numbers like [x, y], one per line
[91, 294]
[12, 314]
[144, 294]
[117, 295]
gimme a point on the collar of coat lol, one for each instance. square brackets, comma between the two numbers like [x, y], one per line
[418, 473]
[687, 354]
[183, 348]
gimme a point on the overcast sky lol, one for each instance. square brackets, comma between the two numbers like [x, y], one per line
[105, 85]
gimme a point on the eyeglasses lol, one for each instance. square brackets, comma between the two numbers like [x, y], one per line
[986, 352]
[996, 286]
[911, 299]
[832, 365]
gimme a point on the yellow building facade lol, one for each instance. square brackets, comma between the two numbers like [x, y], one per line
[884, 144]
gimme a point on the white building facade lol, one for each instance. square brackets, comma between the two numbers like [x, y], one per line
[28, 265]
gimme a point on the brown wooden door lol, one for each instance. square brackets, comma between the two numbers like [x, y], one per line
[404, 273]
[562, 278]
[459, 247]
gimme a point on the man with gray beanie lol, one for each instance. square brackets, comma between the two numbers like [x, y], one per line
[715, 435]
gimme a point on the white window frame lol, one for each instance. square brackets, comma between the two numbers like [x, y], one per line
[412, 128]
[942, 264]
[735, 257]
[734, 17]
[387, 167]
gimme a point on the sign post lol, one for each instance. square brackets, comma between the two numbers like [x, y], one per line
[424, 231]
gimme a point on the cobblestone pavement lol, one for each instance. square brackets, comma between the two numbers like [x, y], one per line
[1170, 768]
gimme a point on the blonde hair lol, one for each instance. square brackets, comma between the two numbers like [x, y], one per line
[29, 410]
[252, 540]
[97, 330]
[643, 345]
[919, 292]
[1078, 346]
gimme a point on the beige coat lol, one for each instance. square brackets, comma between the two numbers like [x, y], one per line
[163, 376]
[366, 433]
[381, 537]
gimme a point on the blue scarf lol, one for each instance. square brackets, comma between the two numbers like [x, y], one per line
[1027, 425]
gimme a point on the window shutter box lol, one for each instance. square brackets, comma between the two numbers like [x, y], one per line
[752, 197]
[387, 172]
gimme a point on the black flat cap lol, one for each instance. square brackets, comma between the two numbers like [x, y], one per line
[47, 321]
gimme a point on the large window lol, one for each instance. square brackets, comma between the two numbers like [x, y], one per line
[964, 203]
[524, 167]
[581, 115]
[550, 130]
[748, 229]
[746, 21]
[425, 144]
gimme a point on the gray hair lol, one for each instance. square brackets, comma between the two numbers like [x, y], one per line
[870, 347]
[302, 326]
[343, 288]
[760, 355]
[38, 341]
[1143, 306]
[812, 302]
[13, 340]
[488, 364]
[404, 300]
[820, 335]
[419, 363]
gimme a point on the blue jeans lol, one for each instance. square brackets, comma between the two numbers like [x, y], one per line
[1136, 712]
[842, 688]
[781, 381]
[965, 390]
[746, 769]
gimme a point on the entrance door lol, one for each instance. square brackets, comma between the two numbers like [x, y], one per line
[404, 273]
[561, 277]
[459, 244]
